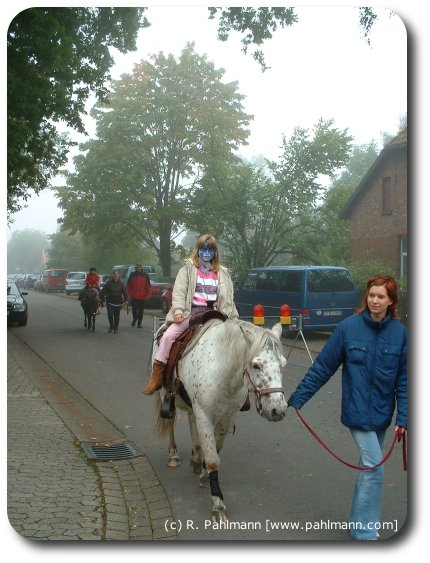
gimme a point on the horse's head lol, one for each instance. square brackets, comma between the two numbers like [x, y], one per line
[263, 376]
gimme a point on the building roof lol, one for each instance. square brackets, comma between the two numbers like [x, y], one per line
[399, 141]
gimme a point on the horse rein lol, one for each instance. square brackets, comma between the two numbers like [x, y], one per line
[397, 438]
[259, 392]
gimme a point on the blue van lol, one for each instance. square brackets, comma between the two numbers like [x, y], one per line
[323, 295]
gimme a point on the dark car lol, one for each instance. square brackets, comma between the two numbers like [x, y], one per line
[322, 295]
[159, 285]
[17, 308]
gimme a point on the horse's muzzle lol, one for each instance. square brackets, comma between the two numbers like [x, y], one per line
[272, 408]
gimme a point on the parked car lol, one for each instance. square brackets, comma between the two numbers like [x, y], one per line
[17, 307]
[126, 269]
[38, 283]
[54, 279]
[159, 285]
[75, 282]
[103, 279]
[30, 281]
[323, 295]
[166, 299]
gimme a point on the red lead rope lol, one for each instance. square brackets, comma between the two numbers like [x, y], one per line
[397, 437]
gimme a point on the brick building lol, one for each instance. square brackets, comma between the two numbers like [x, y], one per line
[377, 209]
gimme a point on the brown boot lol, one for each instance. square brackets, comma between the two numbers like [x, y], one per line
[156, 380]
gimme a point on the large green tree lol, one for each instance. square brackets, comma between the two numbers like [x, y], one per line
[165, 123]
[55, 58]
[258, 214]
[324, 237]
[76, 252]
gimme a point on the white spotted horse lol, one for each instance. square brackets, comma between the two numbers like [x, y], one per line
[228, 361]
[90, 303]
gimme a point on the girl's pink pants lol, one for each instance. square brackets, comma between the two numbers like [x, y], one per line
[169, 338]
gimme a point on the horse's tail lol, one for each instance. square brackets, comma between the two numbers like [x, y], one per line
[161, 424]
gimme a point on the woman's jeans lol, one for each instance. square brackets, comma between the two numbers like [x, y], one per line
[364, 520]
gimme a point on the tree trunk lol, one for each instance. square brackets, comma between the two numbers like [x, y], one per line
[165, 232]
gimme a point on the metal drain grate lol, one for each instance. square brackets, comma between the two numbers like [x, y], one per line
[104, 452]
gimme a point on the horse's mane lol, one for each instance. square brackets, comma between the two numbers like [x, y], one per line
[245, 340]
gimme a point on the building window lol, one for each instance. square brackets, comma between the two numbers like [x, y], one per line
[404, 256]
[386, 195]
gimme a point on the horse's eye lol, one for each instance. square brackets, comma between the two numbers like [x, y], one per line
[255, 366]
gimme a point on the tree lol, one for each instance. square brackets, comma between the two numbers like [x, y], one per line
[325, 238]
[258, 24]
[258, 214]
[78, 252]
[25, 251]
[56, 57]
[163, 125]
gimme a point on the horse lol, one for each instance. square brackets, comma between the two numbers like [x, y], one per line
[90, 302]
[229, 361]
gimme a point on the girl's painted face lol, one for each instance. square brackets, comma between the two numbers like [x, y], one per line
[206, 254]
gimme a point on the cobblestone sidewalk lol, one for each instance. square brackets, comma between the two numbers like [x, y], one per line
[55, 493]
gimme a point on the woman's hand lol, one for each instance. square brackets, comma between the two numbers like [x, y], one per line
[178, 318]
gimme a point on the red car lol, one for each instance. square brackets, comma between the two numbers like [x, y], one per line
[166, 300]
[159, 285]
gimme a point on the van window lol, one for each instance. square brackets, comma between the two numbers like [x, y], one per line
[76, 276]
[249, 281]
[291, 281]
[266, 281]
[58, 273]
[329, 281]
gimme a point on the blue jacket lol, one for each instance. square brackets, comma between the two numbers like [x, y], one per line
[373, 356]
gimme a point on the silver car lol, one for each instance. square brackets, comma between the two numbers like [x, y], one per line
[75, 282]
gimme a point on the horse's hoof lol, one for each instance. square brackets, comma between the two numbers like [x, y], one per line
[174, 462]
[196, 466]
[219, 516]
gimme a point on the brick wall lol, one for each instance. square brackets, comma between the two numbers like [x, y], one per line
[374, 233]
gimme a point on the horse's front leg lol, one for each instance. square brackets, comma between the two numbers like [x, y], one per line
[206, 433]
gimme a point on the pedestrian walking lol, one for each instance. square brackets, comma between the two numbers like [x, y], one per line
[371, 347]
[138, 290]
[114, 293]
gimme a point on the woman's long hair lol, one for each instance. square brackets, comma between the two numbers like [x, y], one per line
[209, 241]
[391, 287]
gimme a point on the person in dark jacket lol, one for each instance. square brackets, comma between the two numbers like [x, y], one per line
[114, 293]
[371, 346]
[139, 290]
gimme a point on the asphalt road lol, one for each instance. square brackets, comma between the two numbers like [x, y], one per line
[278, 483]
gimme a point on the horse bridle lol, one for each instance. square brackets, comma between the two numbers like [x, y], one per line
[259, 392]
